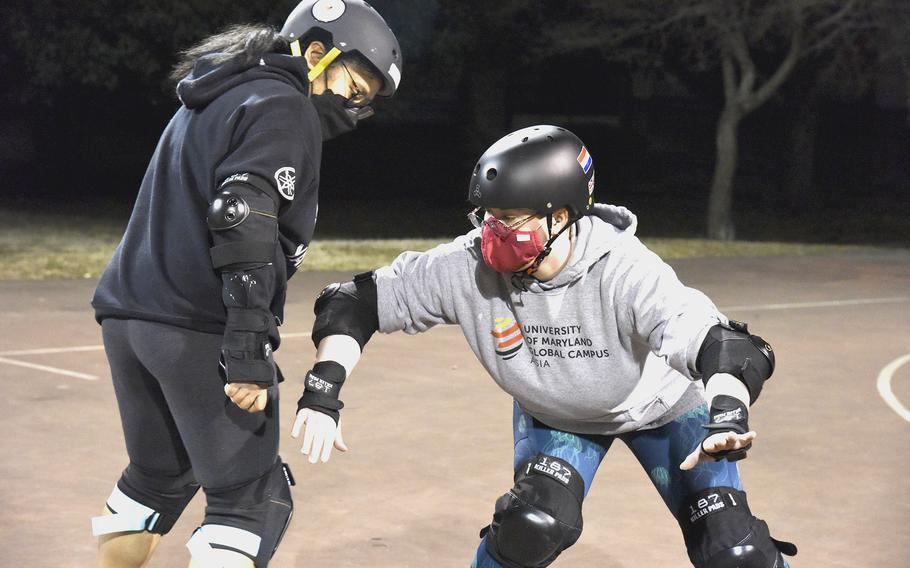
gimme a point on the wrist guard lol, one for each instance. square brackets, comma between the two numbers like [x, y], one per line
[246, 349]
[322, 385]
[727, 414]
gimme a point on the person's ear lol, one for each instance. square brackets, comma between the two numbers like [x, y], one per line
[314, 53]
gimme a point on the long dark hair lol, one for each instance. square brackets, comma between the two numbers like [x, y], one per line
[242, 41]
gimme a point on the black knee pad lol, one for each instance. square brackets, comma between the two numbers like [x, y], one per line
[146, 500]
[540, 517]
[250, 518]
[721, 532]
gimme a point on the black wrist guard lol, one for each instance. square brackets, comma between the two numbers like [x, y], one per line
[322, 386]
[245, 349]
[727, 414]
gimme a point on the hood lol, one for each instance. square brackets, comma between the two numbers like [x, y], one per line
[213, 75]
[597, 233]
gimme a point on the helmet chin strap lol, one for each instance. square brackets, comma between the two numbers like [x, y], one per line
[529, 271]
[321, 65]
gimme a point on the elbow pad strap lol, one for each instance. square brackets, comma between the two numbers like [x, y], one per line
[349, 308]
[733, 350]
[226, 254]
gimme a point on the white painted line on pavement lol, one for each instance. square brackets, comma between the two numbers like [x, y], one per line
[28, 365]
[827, 304]
[884, 386]
[51, 350]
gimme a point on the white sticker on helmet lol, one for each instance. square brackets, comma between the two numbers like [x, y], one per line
[286, 178]
[395, 73]
[328, 10]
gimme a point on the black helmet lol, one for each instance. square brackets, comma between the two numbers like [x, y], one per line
[353, 26]
[539, 167]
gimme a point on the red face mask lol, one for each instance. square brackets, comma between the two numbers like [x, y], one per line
[508, 250]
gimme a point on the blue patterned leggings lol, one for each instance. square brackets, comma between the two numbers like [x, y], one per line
[659, 451]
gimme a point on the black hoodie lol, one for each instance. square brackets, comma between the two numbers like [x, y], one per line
[236, 118]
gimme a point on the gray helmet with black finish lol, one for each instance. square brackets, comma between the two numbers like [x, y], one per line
[539, 167]
[352, 26]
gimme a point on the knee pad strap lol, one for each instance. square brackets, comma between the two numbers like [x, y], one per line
[146, 500]
[208, 538]
[127, 515]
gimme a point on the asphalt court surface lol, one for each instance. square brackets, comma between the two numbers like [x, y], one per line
[430, 434]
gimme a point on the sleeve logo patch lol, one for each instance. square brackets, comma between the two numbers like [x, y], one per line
[286, 178]
[298, 256]
[328, 10]
[243, 177]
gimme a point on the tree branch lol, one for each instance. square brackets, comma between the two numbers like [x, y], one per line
[783, 71]
[839, 28]
[839, 15]
[729, 74]
[740, 49]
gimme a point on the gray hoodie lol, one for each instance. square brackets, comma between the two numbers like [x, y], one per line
[607, 346]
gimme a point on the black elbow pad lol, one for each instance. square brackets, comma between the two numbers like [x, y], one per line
[348, 308]
[243, 220]
[733, 350]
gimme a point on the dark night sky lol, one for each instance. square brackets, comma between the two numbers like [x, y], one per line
[71, 139]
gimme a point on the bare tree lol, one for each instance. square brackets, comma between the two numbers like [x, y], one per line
[756, 45]
[873, 46]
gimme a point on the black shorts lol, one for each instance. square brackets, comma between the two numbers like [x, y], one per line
[175, 415]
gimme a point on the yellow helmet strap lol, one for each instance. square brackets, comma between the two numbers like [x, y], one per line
[323, 63]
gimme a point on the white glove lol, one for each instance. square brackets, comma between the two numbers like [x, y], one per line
[320, 436]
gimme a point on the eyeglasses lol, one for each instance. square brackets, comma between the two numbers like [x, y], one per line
[478, 217]
[358, 98]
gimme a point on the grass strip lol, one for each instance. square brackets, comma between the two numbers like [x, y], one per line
[38, 247]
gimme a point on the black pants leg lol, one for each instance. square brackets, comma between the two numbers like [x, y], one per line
[175, 414]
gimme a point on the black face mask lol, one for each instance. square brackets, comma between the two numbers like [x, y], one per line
[335, 116]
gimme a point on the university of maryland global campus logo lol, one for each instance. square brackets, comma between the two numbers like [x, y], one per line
[508, 337]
